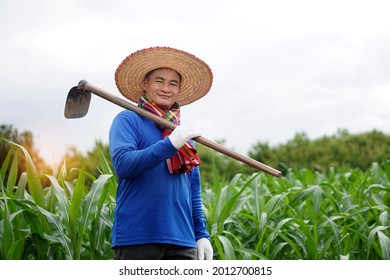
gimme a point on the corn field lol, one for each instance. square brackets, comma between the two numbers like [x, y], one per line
[305, 215]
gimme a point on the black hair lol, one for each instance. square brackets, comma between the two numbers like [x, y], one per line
[151, 71]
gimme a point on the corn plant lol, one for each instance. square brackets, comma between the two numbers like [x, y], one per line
[324, 214]
[63, 221]
[304, 215]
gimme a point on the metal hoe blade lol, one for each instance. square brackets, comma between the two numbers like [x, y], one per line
[77, 103]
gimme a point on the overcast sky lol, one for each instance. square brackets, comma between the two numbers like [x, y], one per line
[280, 67]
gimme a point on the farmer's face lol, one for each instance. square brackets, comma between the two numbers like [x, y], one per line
[162, 86]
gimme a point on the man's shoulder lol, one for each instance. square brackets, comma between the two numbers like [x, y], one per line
[127, 114]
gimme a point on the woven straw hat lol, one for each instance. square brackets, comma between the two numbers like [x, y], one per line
[196, 75]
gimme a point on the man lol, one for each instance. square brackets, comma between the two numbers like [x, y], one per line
[158, 214]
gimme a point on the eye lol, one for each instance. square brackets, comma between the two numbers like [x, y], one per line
[159, 80]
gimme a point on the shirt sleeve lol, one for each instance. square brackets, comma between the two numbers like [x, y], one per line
[197, 211]
[128, 158]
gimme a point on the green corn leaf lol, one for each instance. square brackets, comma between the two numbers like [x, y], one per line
[278, 227]
[5, 164]
[63, 172]
[21, 187]
[74, 210]
[97, 237]
[317, 198]
[228, 199]
[63, 202]
[275, 251]
[310, 241]
[218, 245]
[263, 221]
[384, 218]
[16, 250]
[69, 188]
[384, 241]
[7, 228]
[227, 247]
[34, 221]
[226, 204]
[337, 233]
[7, 234]
[386, 166]
[34, 183]
[371, 236]
[275, 203]
[326, 246]
[12, 175]
[293, 245]
[90, 204]
[58, 234]
[251, 252]
[314, 191]
[111, 183]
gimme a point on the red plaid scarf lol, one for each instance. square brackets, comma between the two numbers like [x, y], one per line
[186, 158]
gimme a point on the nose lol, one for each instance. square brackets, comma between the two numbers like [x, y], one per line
[165, 87]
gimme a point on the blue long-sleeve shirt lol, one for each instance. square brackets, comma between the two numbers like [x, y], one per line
[153, 206]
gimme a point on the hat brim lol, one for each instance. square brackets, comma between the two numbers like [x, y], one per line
[196, 75]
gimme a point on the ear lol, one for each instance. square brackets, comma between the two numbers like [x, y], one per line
[144, 83]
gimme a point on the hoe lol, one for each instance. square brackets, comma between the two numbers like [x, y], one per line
[77, 104]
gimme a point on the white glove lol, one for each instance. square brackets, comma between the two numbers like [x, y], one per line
[205, 250]
[182, 134]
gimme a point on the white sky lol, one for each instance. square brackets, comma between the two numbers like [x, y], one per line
[280, 67]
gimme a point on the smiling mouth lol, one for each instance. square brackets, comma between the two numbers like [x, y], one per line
[165, 96]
